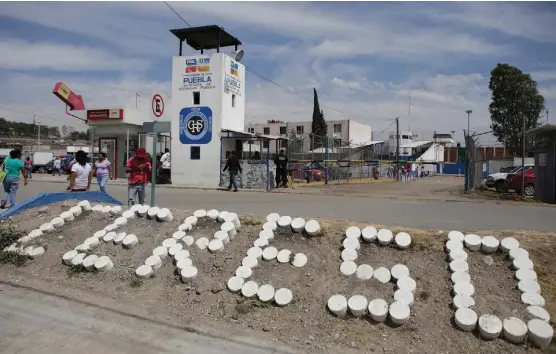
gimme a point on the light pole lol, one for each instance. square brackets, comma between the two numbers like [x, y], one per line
[468, 119]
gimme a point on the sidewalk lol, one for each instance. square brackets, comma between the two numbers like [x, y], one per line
[123, 182]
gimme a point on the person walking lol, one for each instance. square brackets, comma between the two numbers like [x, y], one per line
[13, 166]
[103, 170]
[81, 173]
[234, 167]
[281, 162]
[139, 169]
[29, 167]
[57, 167]
[165, 162]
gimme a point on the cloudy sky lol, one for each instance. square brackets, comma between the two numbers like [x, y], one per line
[362, 57]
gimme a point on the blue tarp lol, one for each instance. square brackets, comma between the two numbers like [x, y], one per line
[43, 199]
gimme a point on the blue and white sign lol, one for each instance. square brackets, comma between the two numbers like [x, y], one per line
[195, 125]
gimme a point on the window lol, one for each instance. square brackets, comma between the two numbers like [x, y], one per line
[195, 153]
[299, 129]
[283, 144]
[283, 131]
[233, 100]
[196, 98]
[266, 144]
[251, 130]
[405, 137]
[266, 131]
[337, 129]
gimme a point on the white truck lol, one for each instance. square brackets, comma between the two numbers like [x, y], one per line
[40, 159]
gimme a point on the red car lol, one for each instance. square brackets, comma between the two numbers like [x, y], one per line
[514, 182]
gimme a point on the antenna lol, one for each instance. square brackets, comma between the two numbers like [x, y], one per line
[409, 112]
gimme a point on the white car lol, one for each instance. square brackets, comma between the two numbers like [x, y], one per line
[498, 180]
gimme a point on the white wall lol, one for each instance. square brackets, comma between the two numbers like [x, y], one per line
[233, 118]
[214, 95]
[359, 134]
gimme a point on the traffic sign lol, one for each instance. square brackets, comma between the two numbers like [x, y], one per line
[157, 106]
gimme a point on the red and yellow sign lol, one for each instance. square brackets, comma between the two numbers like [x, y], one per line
[63, 92]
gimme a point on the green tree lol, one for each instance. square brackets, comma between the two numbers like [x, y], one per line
[319, 129]
[515, 101]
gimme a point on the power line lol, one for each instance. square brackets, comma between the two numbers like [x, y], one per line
[283, 88]
[32, 112]
[83, 83]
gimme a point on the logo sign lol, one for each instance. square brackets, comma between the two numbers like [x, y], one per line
[195, 125]
[232, 83]
[199, 65]
[157, 106]
[234, 69]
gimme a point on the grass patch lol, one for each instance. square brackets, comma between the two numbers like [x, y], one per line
[250, 220]
[422, 243]
[8, 236]
[14, 258]
[75, 270]
[248, 306]
[135, 283]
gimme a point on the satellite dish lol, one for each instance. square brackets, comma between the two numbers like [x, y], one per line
[239, 55]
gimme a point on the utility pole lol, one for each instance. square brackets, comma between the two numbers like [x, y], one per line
[398, 149]
[523, 152]
[38, 124]
[409, 112]
[547, 116]
[136, 99]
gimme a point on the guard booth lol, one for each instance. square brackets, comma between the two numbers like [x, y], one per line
[545, 162]
[208, 97]
[117, 132]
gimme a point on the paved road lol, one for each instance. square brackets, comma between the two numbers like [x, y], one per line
[441, 215]
[37, 323]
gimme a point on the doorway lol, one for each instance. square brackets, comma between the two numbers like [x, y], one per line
[110, 147]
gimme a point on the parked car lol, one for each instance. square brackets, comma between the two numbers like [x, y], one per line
[499, 180]
[514, 182]
[309, 172]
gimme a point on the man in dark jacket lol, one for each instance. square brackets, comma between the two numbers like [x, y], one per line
[281, 162]
[234, 167]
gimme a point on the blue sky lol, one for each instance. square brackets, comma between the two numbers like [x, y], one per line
[362, 57]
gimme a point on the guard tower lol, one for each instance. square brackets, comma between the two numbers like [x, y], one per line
[208, 95]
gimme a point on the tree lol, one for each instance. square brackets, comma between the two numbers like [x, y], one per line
[319, 129]
[54, 132]
[515, 101]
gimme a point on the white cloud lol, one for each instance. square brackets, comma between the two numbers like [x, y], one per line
[348, 84]
[515, 19]
[24, 55]
[541, 76]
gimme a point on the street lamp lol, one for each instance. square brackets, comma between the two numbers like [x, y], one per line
[468, 119]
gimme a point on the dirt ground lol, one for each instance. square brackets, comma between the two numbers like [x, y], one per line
[430, 188]
[305, 324]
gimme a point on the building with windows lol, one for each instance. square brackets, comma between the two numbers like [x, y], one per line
[345, 132]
